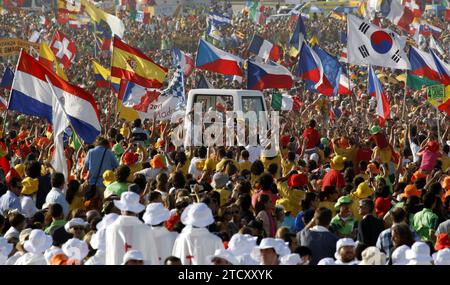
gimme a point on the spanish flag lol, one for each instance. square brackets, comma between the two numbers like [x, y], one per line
[133, 65]
[48, 59]
[102, 75]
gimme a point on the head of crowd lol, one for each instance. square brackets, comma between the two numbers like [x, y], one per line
[341, 189]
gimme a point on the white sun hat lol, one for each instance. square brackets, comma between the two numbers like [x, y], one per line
[442, 257]
[240, 244]
[419, 254]
[132, 255]
[155, 214]
[399, 255]
[225, 254]
[75, 249]
[197, 215]
[38, 242]
[129, 202]
[291, 259]
[74, 223]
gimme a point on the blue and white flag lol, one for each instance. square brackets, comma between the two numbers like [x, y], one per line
[219, 20]
[176, 87]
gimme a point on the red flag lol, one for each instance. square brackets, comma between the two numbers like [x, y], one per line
[63, 48]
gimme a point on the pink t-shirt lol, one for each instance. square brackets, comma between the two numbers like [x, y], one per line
[429, 159]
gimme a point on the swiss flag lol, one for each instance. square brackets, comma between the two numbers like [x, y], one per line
[63, 48]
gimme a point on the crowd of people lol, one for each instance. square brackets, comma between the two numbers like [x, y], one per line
[340, 190]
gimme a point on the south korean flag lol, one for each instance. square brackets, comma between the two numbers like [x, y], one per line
[367, 44]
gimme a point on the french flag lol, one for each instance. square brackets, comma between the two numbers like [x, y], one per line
[310, 69]
[184, 60]
[213, 59]
[397, 13]
[32, 91]
[442, 67]
[344, 83]
[423, 64]
[376, 90]
[262, 76]
[264, 49]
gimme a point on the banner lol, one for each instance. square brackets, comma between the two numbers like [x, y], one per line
[163, 108]
[12, 46]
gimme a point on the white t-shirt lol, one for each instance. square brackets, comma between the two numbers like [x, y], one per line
[415, 149]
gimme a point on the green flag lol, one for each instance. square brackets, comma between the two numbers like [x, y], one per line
[75, 141]
[277, 100]
[416, 82]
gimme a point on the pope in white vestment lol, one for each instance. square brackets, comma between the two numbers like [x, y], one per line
[195, 243]
[127, 232]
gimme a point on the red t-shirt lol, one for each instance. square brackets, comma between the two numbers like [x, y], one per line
[382, 206]
[312, 137]
[333, 177]
[363, 154]
[380, 140]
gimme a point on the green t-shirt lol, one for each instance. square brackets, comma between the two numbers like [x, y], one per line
[53, 226]
[341, 227]
[116, 188]
[423, 222]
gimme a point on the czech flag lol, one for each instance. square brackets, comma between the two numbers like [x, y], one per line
[423, 65]
[376, 90]
[442, 67]
[262, 76]
[213, 59]
[310, 69]
[264, 49]
[35, 85]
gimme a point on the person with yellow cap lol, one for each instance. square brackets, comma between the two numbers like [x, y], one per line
[363, 191]
[334, 176]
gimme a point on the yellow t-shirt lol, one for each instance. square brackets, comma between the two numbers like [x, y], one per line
[224, 195]
[328, 205]
[445, 162]
[293, 196]
[244, 165]
[210, 164]
[134, 168]
[185, 168]
[286, 166]
[220, 166]
[125, 132]
[268, 161]
[355, 207]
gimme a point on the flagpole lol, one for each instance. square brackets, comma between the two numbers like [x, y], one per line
[62, 106]
[404, 95]
[438, 123]
[95, 40]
